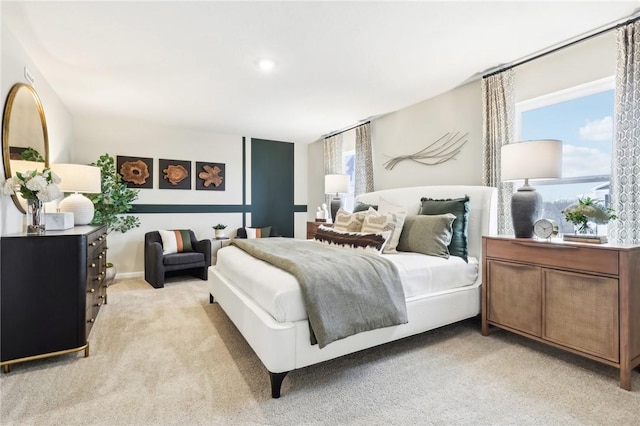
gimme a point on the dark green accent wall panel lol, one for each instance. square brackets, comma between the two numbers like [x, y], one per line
[272, 196]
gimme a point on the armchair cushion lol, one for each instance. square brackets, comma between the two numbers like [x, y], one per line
[182, 258]
[175, 241]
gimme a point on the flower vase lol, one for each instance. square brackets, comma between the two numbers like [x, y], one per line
[587, 228]
[35, 217]
[219, 233]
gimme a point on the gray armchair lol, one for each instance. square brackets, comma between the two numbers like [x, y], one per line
[158, 266]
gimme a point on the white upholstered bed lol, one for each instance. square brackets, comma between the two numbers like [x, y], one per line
[271, 318]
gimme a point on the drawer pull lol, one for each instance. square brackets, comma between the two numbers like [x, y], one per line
[93, 265]
[100, 257]
[93, 290]
[92, 320]
[100, 278]
[93, 243]
[98, 304]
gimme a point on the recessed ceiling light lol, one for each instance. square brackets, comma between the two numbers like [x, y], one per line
[266, 65]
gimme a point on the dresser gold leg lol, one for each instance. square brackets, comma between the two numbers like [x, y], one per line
[86, 350]
[6, 368]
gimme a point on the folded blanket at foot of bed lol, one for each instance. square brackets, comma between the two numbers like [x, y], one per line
[345, 291]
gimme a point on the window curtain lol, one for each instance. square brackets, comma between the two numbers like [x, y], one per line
[498, 108]
[332, 159]
[625, 170]
[363, 160]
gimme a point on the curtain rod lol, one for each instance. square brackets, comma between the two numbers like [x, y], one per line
[346, 129]
[571, 43]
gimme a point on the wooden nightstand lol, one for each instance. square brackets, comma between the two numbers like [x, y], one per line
[312, 228]
[583, 298]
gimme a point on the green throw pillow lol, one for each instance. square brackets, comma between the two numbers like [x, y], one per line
[460, 208]
[427, 234]
[363, 207]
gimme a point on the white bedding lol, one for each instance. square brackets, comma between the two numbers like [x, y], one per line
[278, 292]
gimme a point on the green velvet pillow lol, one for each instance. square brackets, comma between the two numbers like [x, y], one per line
[363, 207]
[427, 234]
[458, 207]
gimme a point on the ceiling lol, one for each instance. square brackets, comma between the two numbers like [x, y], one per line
[195, 64]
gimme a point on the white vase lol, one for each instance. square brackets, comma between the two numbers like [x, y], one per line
[219, 233]
[110, 275]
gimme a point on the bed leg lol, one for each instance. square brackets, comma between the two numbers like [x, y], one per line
[276, 383]
[211, 298]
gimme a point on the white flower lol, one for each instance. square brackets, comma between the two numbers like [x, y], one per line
[49, 193]
[11, 185]
[36, 183]
[55, 178]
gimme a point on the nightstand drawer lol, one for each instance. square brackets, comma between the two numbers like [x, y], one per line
[556, 255]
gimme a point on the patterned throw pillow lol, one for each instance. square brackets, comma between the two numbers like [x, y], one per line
[460, 208]
[374, 242]
[258, 232]
[427, 234]
[175, 241]
[351, 222]
[376, 222]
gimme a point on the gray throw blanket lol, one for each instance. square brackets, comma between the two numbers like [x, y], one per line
[345, 291]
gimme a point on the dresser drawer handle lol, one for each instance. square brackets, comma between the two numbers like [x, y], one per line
[93, 243]
[550, 246]
[92, 320]
[93, 265]
[93, 290]
[99, 278]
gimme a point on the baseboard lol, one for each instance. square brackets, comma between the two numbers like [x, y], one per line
[127, 275]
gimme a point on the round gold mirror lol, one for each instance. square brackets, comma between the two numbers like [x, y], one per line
[25, 142]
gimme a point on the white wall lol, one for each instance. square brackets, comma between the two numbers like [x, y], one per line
[413, 128]
[13, 59]
[127, 137]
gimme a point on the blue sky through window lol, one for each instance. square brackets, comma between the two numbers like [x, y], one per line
[585, 127]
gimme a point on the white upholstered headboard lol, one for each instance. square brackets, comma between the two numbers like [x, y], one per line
[483, 219]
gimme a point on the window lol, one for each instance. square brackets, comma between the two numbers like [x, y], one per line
[582, 118]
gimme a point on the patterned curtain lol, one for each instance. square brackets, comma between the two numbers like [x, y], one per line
[364, 161]
[625, 171]
[497, 129]
[332, 158]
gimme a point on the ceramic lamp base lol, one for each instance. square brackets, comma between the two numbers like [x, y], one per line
[336, 203]
[526, 207]
[81, 207]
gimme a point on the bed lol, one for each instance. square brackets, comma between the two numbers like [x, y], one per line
[269, 314]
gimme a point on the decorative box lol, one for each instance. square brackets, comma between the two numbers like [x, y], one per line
[58, 221]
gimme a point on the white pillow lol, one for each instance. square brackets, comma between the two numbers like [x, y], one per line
[380, 222]
[169, 243]
[351, 222]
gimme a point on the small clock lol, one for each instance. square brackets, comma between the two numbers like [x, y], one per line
[545, 228]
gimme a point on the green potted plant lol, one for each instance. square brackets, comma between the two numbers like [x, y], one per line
[586, 214]
[113, 203]
[219, 230]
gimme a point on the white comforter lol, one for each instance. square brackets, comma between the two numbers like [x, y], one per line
[278, 292]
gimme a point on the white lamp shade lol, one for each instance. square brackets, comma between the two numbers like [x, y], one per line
[536, 159]
[336, 184]
[24, 166]
[78, 178]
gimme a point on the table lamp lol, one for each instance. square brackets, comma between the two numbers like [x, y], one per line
[336, 184]
[78, 178]
[535, 159]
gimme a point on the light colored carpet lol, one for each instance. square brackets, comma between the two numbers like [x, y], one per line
[167, 356]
